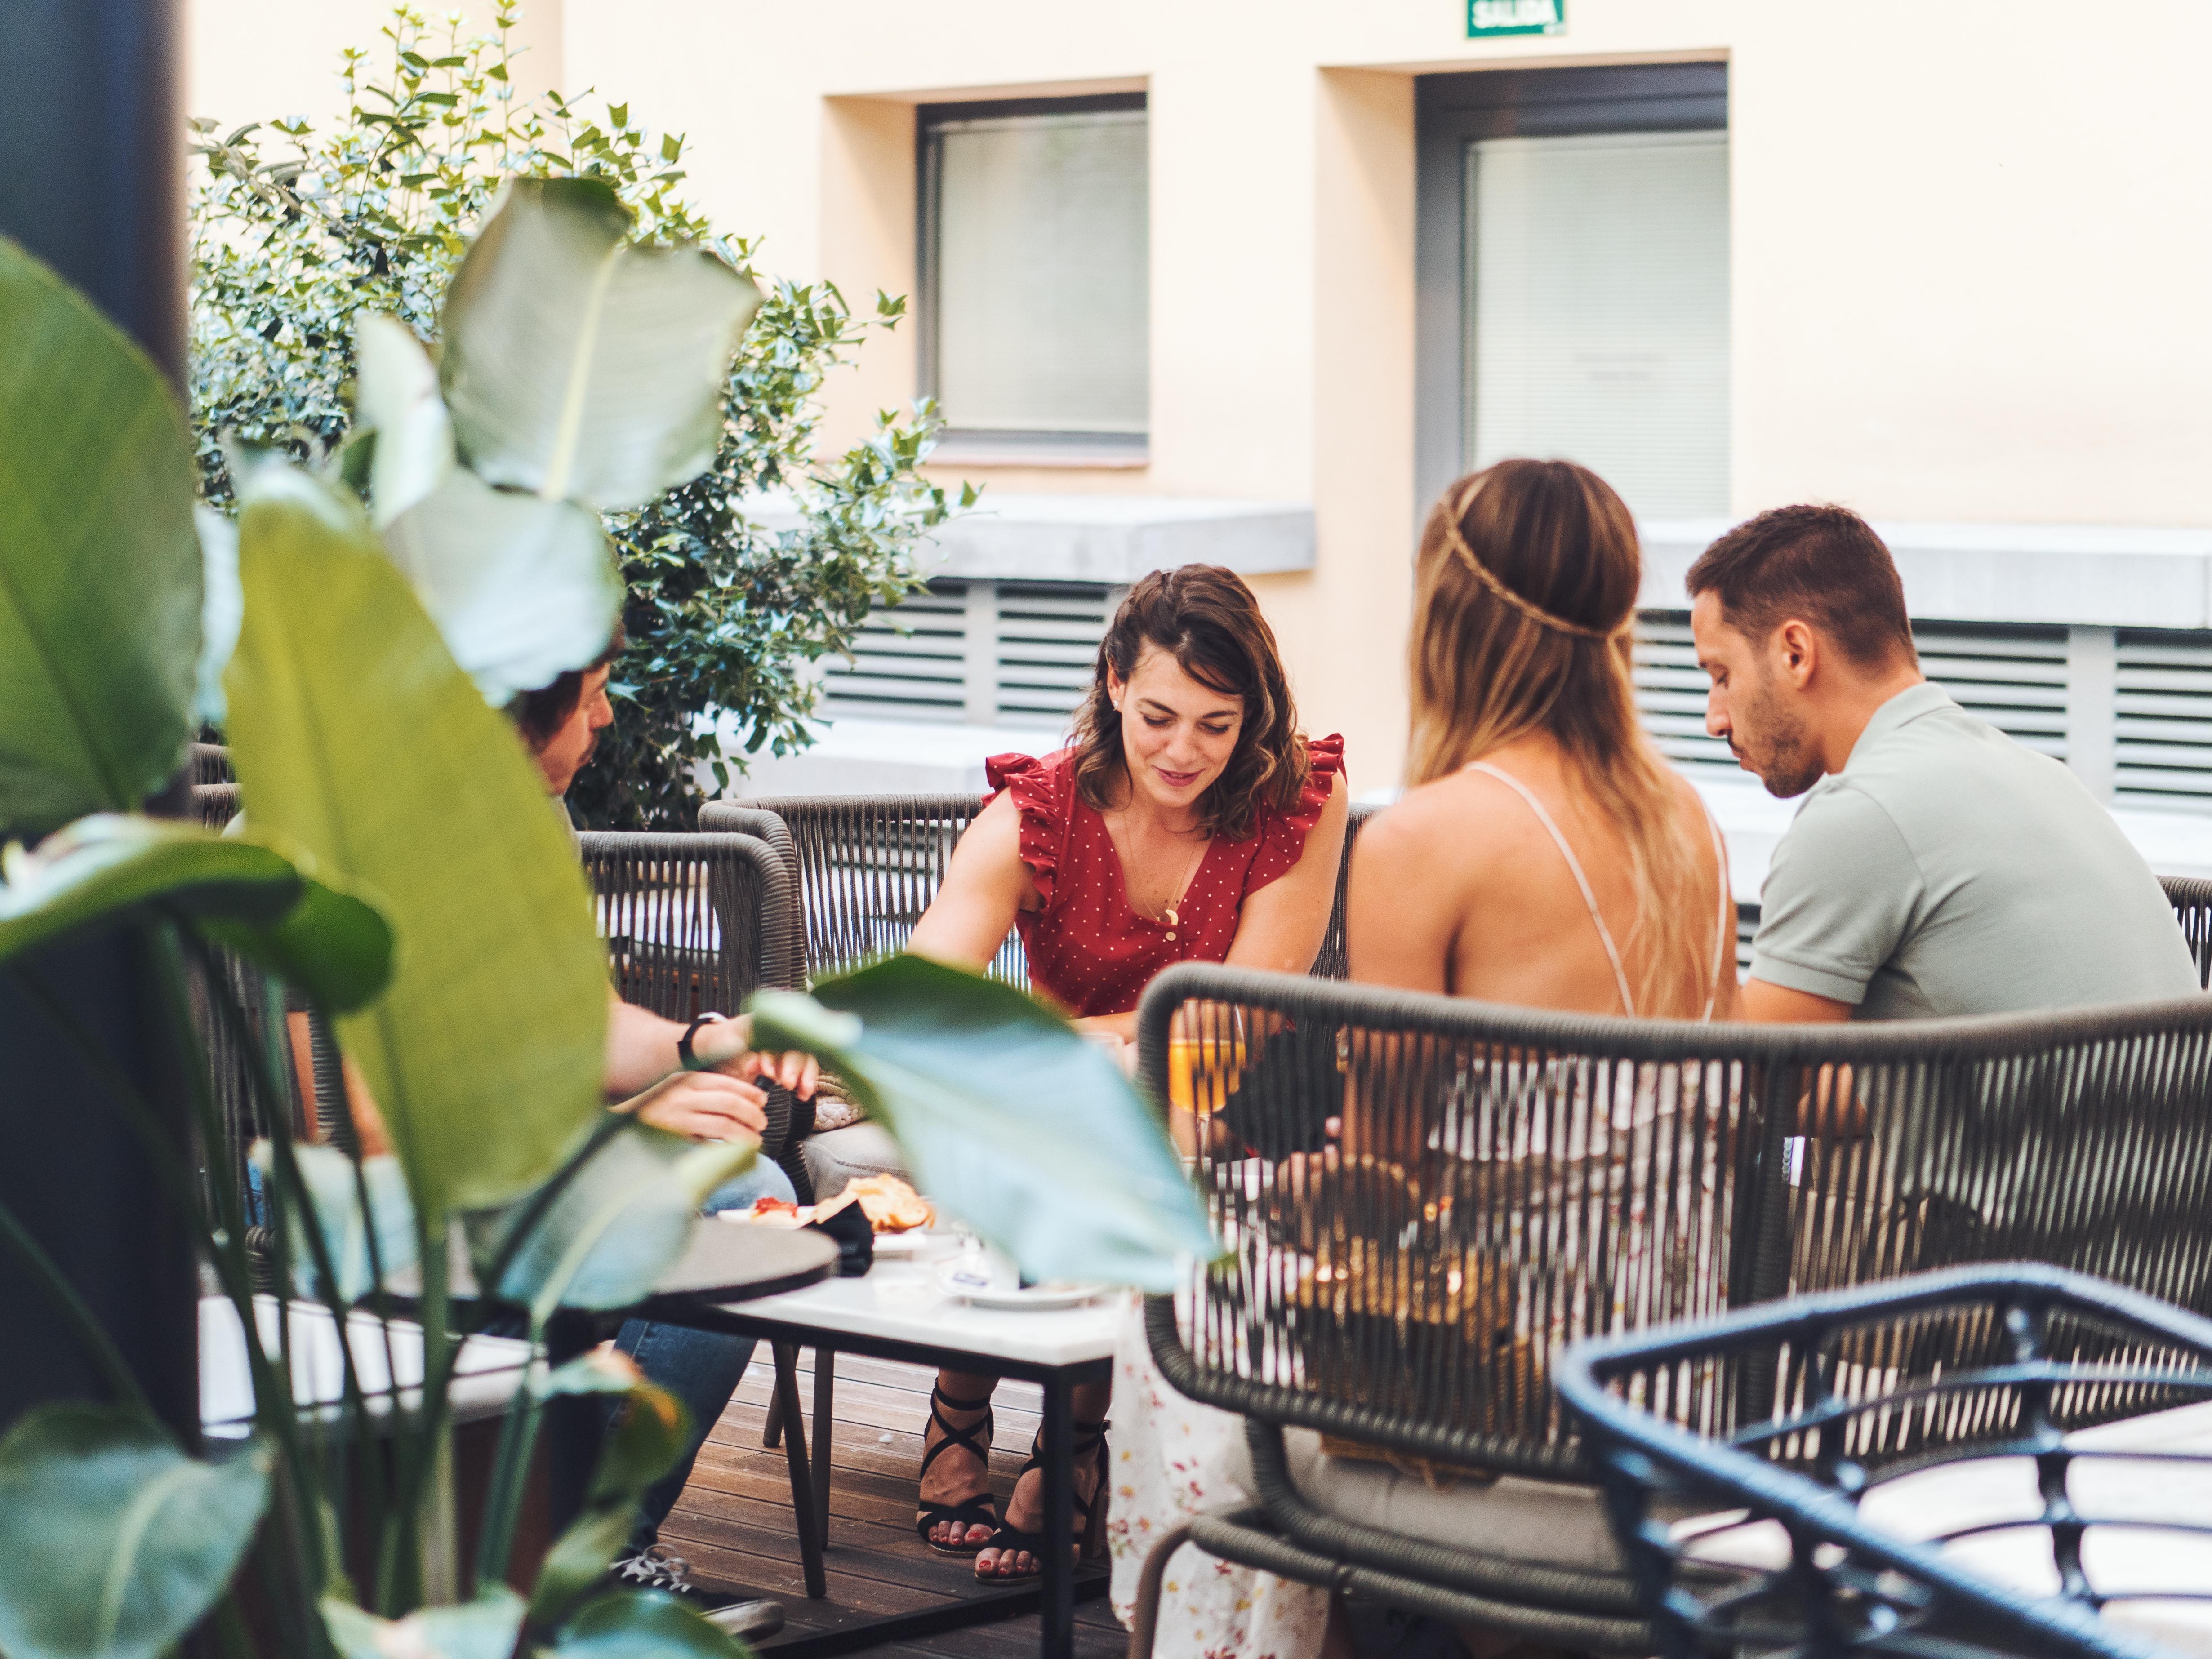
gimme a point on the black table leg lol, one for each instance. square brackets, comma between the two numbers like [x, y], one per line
[572, 1426]
[825, 1422]
[1056, 1607]
[807, 1524]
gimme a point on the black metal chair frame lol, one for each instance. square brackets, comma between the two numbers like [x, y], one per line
[1952, 1140]
[1848, 1586]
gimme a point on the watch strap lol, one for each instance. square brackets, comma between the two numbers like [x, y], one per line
[684, 1053]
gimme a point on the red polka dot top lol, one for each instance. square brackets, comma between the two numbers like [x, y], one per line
[1089, 950]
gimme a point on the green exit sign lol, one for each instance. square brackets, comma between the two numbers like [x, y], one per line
[1492, 17]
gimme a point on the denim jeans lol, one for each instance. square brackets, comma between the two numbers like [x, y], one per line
[700, 1367]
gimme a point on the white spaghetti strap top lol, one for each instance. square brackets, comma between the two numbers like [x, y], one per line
[1723, 933]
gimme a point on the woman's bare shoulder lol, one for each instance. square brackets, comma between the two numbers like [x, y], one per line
[1448, 822]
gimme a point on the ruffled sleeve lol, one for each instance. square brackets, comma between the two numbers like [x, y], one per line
[1040, 789]
[1283, 835]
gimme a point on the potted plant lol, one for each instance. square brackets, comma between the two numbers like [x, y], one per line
[397, 868]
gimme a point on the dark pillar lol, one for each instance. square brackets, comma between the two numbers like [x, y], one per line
[95, 138]
[92, 184]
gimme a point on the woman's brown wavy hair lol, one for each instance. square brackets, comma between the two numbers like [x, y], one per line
[1485, 672]
[1206, 619]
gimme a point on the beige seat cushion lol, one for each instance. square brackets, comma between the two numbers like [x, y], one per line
[835, 1156]
[1522, 1520]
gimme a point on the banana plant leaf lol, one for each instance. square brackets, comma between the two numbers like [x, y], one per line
[578, 367]
[356, 737]
[222, 605]
[522, 588]
[396, 396]
[485, 1628]
[613, 1227]
[643, 1624]
[1009, 1118]
[116, 1543]
[334, 1199]
[102, 868]
[99, 569]
[642, 1445]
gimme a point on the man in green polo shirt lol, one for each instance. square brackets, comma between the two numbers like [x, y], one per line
[1936, 866]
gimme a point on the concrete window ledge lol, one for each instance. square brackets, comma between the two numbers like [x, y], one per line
[872, 756]
[1113, 539]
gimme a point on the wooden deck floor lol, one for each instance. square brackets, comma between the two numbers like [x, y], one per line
[733, 1524]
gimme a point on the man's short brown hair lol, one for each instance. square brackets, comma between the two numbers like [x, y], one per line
[1822, 565]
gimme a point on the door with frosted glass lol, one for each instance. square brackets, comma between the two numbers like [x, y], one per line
[1595, 312]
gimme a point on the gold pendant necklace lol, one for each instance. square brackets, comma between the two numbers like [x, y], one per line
[1175, 893]
[1189, 870]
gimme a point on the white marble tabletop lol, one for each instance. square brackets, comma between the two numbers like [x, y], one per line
[900, 1301]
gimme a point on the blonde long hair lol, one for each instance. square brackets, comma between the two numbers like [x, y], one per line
[1523, 621]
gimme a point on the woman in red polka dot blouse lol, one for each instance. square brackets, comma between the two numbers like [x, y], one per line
[1189, 821]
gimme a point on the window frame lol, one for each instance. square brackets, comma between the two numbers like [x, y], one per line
[982, 445]
[1450, 112]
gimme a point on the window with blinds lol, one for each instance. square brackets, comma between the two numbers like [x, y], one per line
[1036, 267]
[1596, 310]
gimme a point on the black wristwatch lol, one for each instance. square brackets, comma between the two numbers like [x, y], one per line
[691, 1061]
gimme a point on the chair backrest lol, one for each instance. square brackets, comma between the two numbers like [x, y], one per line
[2191, 899]
[867, 867]
[693, 923]
[1502, 1181]
[2033, 1354]
[215, 804]
[209, 763]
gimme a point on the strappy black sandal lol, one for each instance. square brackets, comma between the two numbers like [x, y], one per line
[1090, 1514]
[970, 1512]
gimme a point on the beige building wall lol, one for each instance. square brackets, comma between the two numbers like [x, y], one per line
[1971, 248]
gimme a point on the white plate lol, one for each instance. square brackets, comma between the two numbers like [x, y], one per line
[970, 1281]
[911, 1245]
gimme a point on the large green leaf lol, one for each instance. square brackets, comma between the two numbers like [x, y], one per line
[396, 396]
[356, 737]
[485, 1628]
[251, 897]
[115, 1542]
[100, 569]
[222, 605]
[334, 1197]
[643, 1624]
[615, 1225]
[643, 1444]
[1009, 1118]
[579, 367]
[522, 589]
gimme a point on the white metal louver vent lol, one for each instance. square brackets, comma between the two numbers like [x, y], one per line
[914, 667]
[980, 652]
[1047, 647]
[2016, 678]
[1670, 691]
[2162, 719]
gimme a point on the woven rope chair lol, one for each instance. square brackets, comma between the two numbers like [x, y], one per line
[867, 867]
[2008, 1363]
[695, 924]
[1504, 1180]
[209, 763]
[2191, 899]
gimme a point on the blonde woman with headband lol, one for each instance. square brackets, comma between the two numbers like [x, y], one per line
[1544, 854]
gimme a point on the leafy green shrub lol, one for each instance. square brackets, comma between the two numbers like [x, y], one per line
[723, 613]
